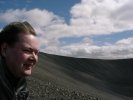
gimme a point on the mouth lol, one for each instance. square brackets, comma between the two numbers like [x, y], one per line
[28, 65]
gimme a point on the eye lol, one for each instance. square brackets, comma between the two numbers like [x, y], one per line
[27, 51]
[30, 51]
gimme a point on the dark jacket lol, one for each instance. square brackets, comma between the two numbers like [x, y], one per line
[10, 87]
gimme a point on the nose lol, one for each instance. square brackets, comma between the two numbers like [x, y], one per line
[34, 57]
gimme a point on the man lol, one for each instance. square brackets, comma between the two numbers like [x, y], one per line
[18, 56]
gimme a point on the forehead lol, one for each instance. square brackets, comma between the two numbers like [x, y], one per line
[28, 40]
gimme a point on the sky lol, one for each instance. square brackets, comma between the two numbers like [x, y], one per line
[77, 28]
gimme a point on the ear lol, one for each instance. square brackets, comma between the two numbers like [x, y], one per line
[3, 49]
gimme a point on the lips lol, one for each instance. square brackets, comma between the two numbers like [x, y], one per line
[28, 65]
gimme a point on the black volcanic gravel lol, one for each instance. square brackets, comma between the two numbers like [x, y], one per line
[40, 90]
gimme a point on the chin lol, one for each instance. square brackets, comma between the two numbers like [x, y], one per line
[27, 73]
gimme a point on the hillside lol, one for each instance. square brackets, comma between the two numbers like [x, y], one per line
[67, 78]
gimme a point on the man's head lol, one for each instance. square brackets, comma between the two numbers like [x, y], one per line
[19, 47]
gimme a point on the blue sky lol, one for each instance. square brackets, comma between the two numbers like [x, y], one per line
[78, 28]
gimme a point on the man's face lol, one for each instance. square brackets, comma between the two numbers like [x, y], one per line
[22, 57]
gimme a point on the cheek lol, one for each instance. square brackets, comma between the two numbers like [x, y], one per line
[22, 57]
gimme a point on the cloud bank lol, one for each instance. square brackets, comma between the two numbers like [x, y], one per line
[88, 18]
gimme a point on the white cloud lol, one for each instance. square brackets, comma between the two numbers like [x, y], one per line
[121, 49]
[37, 17]
[92, 17]
[125, 42]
